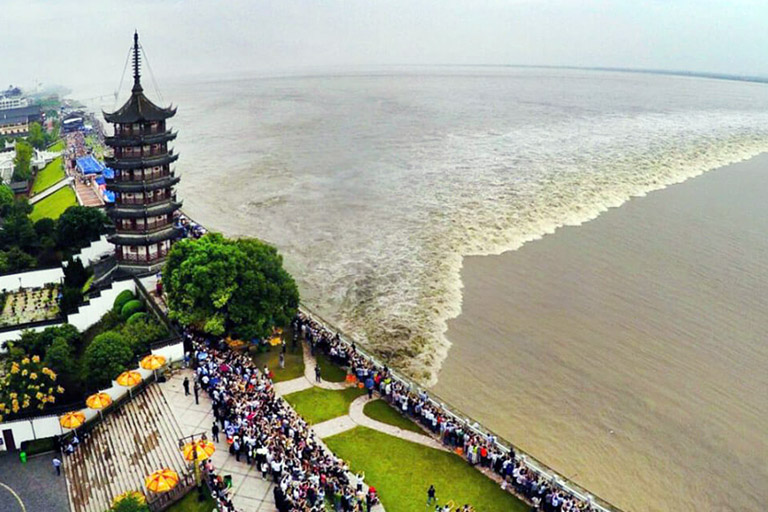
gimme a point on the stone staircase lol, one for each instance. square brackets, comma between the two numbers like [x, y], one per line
[132, 442]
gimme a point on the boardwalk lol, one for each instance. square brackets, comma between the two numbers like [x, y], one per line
[132, 442]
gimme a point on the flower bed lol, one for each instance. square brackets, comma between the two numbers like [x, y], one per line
[30, 305]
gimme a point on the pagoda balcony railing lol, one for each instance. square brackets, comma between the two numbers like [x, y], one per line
[149, 227]
[143, 258]
[126, 131]
[143, 200]
[141, 154]
[147, 176]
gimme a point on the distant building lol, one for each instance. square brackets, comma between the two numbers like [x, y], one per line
[142, 180]
[12, 98]
[16, 121]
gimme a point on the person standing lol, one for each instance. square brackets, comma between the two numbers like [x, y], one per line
[215, 431]
[369, 386]
[282, 360]
[196, 388]
[186, 386]
[317, 373]
[57, 465]
[431, 495]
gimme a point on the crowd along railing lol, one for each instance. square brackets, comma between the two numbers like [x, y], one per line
[533, 464]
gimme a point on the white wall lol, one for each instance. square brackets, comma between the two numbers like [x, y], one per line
[89, 314]
[95, 250]
[31, 279]
[172, 353]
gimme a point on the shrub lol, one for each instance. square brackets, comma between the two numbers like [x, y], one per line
[122, 298]
[137, 317]
[105, 358]
[140, 333]
[130, 308]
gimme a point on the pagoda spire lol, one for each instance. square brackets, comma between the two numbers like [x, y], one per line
[136, 64]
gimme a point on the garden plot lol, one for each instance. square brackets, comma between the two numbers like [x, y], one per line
[30, 305]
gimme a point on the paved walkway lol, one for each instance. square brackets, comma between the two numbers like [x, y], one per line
[33, 486]
[250, 492]
[64, 182]
[356, 416]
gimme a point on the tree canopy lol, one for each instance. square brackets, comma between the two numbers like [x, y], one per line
[234, 287]
[79, 225]
[22, 161]
[105, 358]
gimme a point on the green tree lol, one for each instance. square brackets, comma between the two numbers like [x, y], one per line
[130, 504]
[21, 164]
[105, 358]
[142, 332]
[60, 357]
[17, 260]
[78, 225]
[75, 274]
[18, 230]
[45, 227]
[6, 199]
[71, 297]
[37, 343]
[36, 136]
[236, 287]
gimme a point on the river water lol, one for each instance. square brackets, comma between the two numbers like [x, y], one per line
[376, 185]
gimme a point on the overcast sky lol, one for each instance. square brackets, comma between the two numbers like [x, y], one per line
[69, 42]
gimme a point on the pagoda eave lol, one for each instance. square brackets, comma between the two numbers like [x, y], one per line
[140, 140]
[140, 163]
[140, 212]
[170, 233]
[142, 186]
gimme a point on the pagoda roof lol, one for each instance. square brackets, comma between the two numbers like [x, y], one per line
[123, 211]
[138, 108]
[140, 140]
[139, 163]
[140, 239]
[143, 186]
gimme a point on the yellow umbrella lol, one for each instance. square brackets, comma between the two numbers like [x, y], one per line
[129, 494]
[152, 362]
[201, 448]
[72, 420]
[162, 480]
[98, 401]
[129, 378]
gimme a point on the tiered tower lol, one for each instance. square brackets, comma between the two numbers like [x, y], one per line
[143, 180]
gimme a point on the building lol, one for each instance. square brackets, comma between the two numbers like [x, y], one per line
[12, 98]
[16, 121]
[143, 181]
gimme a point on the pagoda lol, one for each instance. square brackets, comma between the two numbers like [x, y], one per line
[145, 200]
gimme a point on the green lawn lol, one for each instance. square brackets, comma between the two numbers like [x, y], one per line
[402, 472]
[49, 175]
[328, 370]
[294, 362]
[317, 405]
[381, 411]
[189, 503]
[54, 205]
[57, 146]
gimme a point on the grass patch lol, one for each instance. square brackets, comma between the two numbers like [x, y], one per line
[189, 503]
[402, 471]
[54, 205]
[380, 410]
[317, 405]
[49, 175]
[57, 146]
[328, 370]
[294, 362]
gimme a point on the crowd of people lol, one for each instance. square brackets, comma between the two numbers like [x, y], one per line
[190, 229]
[478, 449]
[218, 487]
[264, 431]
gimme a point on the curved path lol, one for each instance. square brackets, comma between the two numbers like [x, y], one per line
[356, 416]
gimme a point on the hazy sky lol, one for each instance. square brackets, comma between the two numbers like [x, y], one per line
[71, 42]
